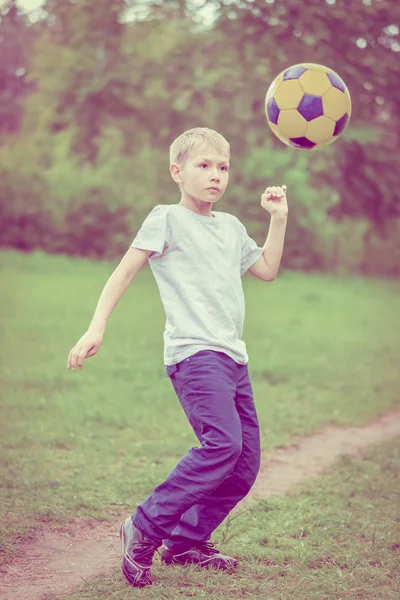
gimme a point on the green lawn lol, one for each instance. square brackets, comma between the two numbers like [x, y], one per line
[322, 350]
[336, 539]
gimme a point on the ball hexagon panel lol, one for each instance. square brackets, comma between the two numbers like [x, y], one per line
[310, 107]
[314, 82]
[291, 123]
[321, 129]
[278, 133]
[272, 88]
[336, 81]
[327, 142]
[294, 72]
[272, 111]
[302, 142]
[341, 124]
[336, 103]
[288, 94]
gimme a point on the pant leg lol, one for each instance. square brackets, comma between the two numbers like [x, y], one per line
[200, 520]
[206, 387]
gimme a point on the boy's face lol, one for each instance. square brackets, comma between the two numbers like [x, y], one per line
[204, 175]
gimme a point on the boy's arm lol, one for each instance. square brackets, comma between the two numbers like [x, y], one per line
[273, 247]
[116, 285]
[267, 266]
[274, 201]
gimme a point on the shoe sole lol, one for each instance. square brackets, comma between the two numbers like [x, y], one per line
[204, 564]
[127, 575]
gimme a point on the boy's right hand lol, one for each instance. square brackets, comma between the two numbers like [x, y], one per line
[87, 346]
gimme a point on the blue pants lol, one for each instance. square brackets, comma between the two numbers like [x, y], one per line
[216, 395]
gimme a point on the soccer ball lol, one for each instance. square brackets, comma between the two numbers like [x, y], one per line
[308, 105]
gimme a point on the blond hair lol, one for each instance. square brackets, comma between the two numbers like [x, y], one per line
[181, 147]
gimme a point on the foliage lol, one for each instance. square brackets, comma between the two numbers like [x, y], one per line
[107, 86]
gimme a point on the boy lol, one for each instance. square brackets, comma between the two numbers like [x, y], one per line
[197, 257]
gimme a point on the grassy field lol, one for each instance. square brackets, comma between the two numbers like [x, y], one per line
[337, 539]
[322, 350]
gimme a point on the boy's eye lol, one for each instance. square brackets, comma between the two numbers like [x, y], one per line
[224, 168]
[204, 165]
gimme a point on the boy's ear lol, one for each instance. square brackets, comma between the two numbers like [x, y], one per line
[175, 171]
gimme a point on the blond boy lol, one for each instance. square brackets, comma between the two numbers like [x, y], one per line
[198, 257]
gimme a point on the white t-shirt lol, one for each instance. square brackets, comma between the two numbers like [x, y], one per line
[198, 262]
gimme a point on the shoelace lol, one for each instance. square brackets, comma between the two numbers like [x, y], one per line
[209, 547]
[146, 550]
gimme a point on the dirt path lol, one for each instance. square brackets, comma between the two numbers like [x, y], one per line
[56, 562]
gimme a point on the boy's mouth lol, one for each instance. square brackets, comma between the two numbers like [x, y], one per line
[215, 189]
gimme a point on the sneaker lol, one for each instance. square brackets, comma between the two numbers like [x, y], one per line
[204, 555]
[137, 553]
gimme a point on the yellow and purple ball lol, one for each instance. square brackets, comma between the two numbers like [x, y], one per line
[308, 106]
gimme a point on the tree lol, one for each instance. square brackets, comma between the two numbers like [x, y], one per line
[15, 44]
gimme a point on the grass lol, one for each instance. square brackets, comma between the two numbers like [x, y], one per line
[322, 350]
[335, 539]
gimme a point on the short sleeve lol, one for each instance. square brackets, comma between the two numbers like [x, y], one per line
[153, 234]
[250, 251]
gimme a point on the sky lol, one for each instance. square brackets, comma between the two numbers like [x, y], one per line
[26, 4]
[30, 6]
[207, 15]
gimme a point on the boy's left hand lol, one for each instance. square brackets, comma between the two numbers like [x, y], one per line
[274, 201]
